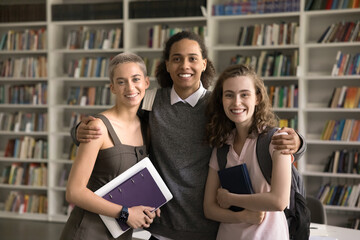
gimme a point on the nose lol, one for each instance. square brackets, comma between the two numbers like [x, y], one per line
[131, 85]
[185, 64]
[237, 99]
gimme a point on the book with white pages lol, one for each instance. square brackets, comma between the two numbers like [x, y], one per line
[139, 185]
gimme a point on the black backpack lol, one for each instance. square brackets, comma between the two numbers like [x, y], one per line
[298, 214]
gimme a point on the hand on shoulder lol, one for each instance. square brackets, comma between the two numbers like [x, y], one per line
[89, 128]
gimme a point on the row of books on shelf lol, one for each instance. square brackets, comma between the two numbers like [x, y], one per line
[95, 95]
[289, 122]
[269, 64]
[339, 195]
[29, 67]
[26, 174]
[159, 33]
[75, 118]
[23, 121]
[255, 6]
[63, 176]
[346, 64]
[165, 8]
[23, 12]
[151, 65]
[312, 5]
[26, 148]
[86, 11]
[73, 151]
[343, 161]
[88, 67]
[35, 94]
[345, 97]
[283, 96]
[341, 130]
[341, 32]
[269, 34]
[19, 202]
[354, 223]
[27, 39]
[86, 38]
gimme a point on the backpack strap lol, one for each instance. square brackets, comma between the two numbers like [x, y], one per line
[222, 155]
[263, 155]
[148, 100]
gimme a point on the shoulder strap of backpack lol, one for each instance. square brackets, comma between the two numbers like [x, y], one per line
[262, 153]
[148, 100]
[222, 155]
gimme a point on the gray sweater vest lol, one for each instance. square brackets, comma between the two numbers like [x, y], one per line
[180, 155]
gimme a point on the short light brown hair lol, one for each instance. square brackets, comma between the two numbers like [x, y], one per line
[126, 58]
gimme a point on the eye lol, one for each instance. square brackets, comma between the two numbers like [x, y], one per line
[192, 59]
[120, 82]
[245, 94]
[136, 79]
[228, 95]
[176, 59]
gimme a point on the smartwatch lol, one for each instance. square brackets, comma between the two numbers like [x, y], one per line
[124, 215]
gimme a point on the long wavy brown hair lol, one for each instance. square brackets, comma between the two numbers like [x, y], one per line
[163, 77]
[219, 125]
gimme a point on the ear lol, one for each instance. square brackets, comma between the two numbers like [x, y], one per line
[112, 89]
[205, 64]
[147, 82]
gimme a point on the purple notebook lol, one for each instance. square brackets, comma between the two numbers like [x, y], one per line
[139, 185]
[140, 189]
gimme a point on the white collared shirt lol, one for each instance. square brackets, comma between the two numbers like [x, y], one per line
[192, 99]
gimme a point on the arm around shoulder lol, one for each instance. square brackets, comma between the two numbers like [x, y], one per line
[302, 148]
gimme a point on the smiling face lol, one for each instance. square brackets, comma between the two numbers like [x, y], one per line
[185, 66]
[129, 84]
[239, 100]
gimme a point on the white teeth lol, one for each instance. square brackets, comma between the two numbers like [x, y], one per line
[237, 111]
[132, 95]
[185, 75]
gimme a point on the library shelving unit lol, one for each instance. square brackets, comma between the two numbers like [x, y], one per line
[23, 99]
[317, 60]
[310, 74]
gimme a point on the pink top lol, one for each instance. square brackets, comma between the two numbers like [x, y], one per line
[274, 225]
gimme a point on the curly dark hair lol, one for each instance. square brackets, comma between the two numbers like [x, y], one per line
[164, 78]
[219, 126]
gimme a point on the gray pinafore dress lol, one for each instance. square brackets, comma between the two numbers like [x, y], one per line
[109, 164]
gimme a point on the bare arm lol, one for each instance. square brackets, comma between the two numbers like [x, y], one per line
[78, 193]
[213, 211]
[275, 200]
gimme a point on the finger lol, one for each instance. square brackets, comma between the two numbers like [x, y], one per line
[281, 147]
[87, 119]
[149, 213]
[282, 137]
[89, 136]
[91, 128]
[148, 220]
[288, 152]
[158, 212]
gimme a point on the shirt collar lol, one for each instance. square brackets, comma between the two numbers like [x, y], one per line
[192, 99]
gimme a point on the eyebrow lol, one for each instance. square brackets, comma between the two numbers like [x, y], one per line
[179, 54]
[242, 90]
[135, 75]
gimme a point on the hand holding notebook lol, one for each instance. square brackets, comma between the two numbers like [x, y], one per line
[236, 180]
[139, 185]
